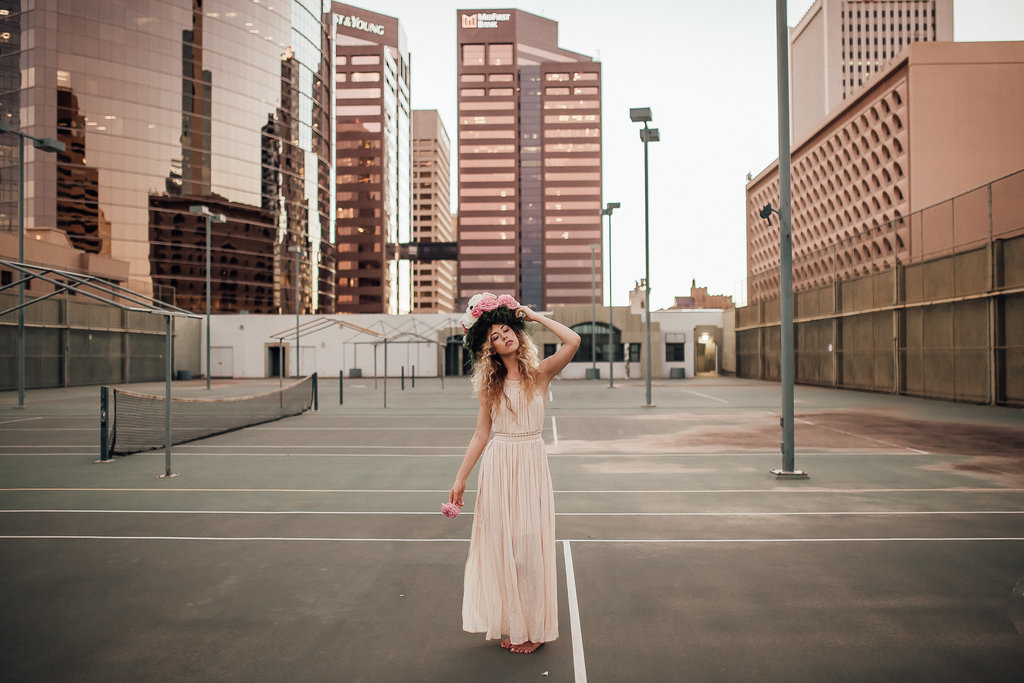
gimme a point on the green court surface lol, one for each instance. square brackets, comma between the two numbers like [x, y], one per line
[313, 548]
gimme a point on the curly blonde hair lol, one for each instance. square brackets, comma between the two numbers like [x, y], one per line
[489, 372]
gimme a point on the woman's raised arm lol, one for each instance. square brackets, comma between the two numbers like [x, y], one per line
[552, 365]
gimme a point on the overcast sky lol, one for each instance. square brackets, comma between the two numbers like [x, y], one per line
[708, 71]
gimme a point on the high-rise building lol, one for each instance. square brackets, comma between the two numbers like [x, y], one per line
[433, 289]
[169, 104]
[373, 180]
[839, 44]
[529, 160]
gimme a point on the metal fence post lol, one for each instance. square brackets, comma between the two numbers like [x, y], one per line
[104, 421]
[316, 393]
[341, 387]
[414, 377]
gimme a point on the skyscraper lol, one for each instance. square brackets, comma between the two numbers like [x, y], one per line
[839, 44]
[374, 155]
[167, 105]
[433, 288]
[529, 160]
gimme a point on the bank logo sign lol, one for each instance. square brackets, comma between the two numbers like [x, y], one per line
[360, 24]
[484, 19]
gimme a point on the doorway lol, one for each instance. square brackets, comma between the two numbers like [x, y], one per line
[456, 357]
[276, 365]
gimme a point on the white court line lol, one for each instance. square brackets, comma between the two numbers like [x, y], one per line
[20, 419]
[357, 429]
[554, 429]
[578, 664]
[697, 393]
[457, 451]
[786, 491]
[888, 513]
[666, 541]
[49, 429]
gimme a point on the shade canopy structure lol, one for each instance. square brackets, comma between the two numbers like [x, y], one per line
[109, 294]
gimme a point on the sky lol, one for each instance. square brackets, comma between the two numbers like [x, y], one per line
[708, 71]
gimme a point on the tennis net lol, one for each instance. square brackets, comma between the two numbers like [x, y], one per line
[138, 421]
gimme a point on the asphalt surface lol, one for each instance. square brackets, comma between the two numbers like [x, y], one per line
[312, 548]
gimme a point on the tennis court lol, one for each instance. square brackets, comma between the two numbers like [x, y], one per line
[312, 548]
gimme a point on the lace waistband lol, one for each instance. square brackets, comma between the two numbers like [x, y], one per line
[521, 436]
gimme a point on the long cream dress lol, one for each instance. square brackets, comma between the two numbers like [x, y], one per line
[510, 584]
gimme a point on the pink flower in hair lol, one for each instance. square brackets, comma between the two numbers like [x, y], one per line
[508, 300]
[450, 510]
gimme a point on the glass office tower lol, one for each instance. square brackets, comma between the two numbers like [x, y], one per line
[373, 122]
[166, 104]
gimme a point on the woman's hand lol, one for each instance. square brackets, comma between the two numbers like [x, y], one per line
[458, 489]
[528, 314]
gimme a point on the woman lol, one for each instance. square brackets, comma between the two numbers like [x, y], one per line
[510, 584]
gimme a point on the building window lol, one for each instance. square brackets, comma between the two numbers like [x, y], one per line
[549, 349]
[500, 54]
[675, 352]
[472, 55]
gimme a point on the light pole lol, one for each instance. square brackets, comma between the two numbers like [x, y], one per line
[299, 253]
[786, 362]
[607, 211]
[44, 145]
[211, 217]
[643, 115]
[593, 310]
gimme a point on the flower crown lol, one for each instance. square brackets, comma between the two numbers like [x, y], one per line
[487, 309]
[483, 303]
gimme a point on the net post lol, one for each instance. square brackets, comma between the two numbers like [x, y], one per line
[414, 377]
[104, 423]
[316, 393]
[403, 378]
[168, 367]
[341, 387]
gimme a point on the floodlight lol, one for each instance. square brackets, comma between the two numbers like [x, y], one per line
[640, 115]
[650, 135]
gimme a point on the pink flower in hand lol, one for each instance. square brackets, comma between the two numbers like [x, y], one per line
[450, 510]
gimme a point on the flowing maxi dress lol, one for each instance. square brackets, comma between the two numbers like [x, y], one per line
[510, 583]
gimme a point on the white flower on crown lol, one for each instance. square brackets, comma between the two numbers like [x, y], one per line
[468, 319]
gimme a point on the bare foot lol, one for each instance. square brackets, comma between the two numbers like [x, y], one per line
[525, 648]
[507, 643]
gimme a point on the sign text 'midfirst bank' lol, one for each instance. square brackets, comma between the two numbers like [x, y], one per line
[483, 19]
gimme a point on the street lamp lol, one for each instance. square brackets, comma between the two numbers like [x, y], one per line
[202, 210]
[593, 310]
[299, 253]
[643, 115]
[44, 145]
[607, 211]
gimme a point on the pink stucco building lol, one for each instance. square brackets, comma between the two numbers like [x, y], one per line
[942, 119]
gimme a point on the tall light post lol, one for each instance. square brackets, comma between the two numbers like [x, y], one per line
[299, 253]
[643, 115]
[607, 211]
[44, 145]
[593, 310]
[211, 217]
[786, 362]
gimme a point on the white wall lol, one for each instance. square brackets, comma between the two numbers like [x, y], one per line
[242, 340]
[245, 339]
[683, 321]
